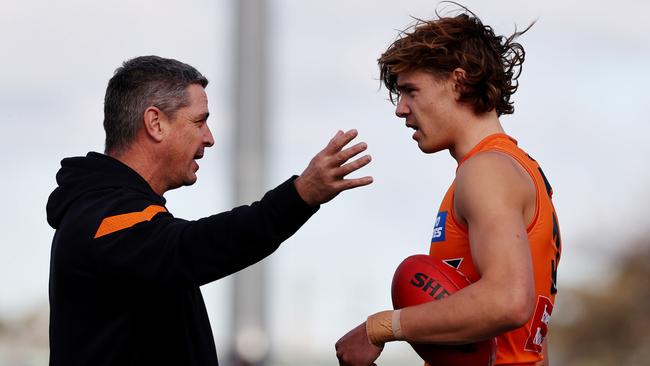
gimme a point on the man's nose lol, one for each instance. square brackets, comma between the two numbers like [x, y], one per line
[208, 139]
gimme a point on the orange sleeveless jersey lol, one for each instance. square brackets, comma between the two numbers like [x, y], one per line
[450, 243]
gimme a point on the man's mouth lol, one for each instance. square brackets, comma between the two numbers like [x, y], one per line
[412, 126]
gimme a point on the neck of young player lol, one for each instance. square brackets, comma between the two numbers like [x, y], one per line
[473, 128]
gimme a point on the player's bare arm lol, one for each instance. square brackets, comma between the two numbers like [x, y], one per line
[493, 197]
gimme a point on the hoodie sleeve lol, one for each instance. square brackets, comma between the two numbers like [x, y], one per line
[167, 251]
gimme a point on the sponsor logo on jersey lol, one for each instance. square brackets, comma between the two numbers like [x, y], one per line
[439, 227]
[539, 324]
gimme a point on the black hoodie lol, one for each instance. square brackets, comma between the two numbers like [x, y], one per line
[125, 273]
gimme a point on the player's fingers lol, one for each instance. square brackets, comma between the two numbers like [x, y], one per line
[339, 140]
[345, 155]
[353, 166]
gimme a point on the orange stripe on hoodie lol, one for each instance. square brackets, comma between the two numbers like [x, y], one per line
[124, 221]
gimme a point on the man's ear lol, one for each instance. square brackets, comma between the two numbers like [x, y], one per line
[458, 77]
[153, 123]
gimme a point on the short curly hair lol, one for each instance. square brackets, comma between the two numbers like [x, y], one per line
[491, 63]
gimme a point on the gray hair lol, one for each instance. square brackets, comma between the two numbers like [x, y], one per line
[138, 84]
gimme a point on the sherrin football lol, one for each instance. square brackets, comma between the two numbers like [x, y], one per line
[421, 278]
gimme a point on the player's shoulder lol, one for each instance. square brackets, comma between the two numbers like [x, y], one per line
[494, 174]
[493, 166]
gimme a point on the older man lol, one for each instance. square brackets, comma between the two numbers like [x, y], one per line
[125, 273]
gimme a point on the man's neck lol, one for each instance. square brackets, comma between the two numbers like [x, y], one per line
[144, 164]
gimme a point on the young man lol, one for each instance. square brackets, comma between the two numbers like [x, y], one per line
[125, 273]
[452, 78]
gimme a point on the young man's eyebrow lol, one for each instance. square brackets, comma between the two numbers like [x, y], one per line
[405, 85]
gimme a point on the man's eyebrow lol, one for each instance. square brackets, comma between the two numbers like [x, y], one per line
[202, 117]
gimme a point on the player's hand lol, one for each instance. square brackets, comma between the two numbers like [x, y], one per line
[323, 179]
[354, 349]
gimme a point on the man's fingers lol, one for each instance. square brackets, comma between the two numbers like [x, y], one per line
[353, 166]
[345, 155]
[356, 182]
[339, 140]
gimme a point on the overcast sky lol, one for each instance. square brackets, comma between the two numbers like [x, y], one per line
[581, 111]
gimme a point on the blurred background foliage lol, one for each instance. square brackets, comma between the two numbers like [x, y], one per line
[608, 322]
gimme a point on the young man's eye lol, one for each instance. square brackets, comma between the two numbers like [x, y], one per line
[405, 92]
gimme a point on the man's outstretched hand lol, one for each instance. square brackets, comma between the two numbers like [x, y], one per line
[323, 179]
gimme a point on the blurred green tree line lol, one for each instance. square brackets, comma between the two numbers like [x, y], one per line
[609, 322]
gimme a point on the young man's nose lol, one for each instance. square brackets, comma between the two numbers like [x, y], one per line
[402, 110]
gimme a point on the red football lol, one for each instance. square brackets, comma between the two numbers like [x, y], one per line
[421, 278]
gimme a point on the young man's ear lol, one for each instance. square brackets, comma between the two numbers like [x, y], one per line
[457, 78]
[152, 123]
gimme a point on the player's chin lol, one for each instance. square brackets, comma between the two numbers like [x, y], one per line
[426, 148]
